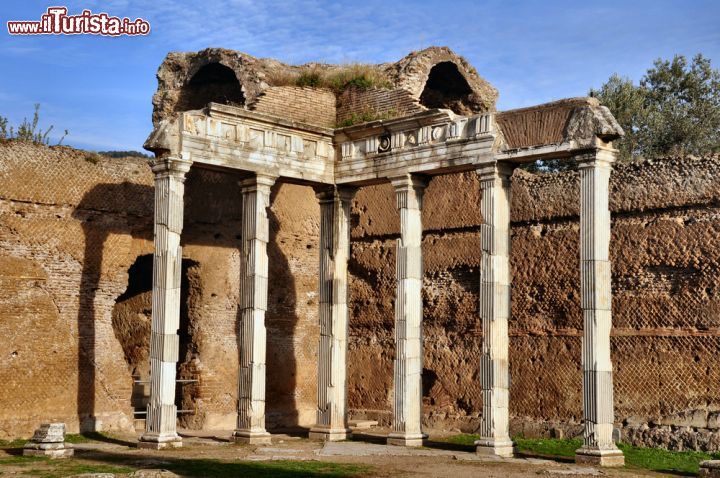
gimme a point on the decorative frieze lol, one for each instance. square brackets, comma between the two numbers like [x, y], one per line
[400, 137]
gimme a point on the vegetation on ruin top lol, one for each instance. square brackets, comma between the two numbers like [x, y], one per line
[27, 130]
[336, 79]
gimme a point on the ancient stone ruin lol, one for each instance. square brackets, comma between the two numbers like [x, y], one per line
[403, 197]
[48, 440]
[202, 119]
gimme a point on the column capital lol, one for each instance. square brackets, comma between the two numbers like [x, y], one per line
[409, 190]
[257, 182]
[327, 193]
[407, 181]
[495, 170]
[170, 167]
[595, 158]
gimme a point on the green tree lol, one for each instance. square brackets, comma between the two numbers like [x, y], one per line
[627, 103]
[674, 110]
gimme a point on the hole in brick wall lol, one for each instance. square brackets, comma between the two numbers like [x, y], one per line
[447, 88]
[186, 393]
[429, 378]
[212, 83]
[131, 321]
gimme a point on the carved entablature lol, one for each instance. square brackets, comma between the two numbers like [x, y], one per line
[232, 137]
[430, 142]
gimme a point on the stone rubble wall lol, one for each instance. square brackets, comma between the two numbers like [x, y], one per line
[71, 229]
[665, 250]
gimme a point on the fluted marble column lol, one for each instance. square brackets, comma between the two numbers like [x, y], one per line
[160, 423]
[408, 365]
[253, 304]
[596, 298]
[332, 352]
[495, 310]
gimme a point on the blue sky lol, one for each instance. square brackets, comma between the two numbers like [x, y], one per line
[532, 51]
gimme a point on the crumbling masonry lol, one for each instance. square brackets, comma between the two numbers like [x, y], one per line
[77, 251]
[454, 128]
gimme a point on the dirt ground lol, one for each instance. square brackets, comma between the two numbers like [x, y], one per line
[118, 456]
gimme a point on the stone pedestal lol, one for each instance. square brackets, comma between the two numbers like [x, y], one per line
[253, 304]
[710, 469]
[407, 410]
[600, 457]
[596, 300]
[331, 422]
[159, 445]
[160, 425]
[495, 310]
[48, 440]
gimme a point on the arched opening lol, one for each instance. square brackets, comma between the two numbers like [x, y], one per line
[212, 83]
[447, 88]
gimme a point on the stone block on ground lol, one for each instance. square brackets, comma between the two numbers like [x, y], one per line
[48, 440]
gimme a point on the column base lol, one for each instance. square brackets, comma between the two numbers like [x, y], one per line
[251, 437]
[329, 434]
[492, 447]
[406, 439]
[599, 457]
[154, 442]
[51, 450]
[710, 469]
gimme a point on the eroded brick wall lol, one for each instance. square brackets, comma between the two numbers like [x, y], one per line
[354, 104]
[75, 330]
[666, 284]
[70, 231]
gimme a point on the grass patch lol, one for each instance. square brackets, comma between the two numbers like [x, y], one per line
[657, 459]
[77, 438]
[16, 443]
[467, 439]
[61, 468]
[654, 459]
[335, 78]
[564, 447]
[21, 460]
